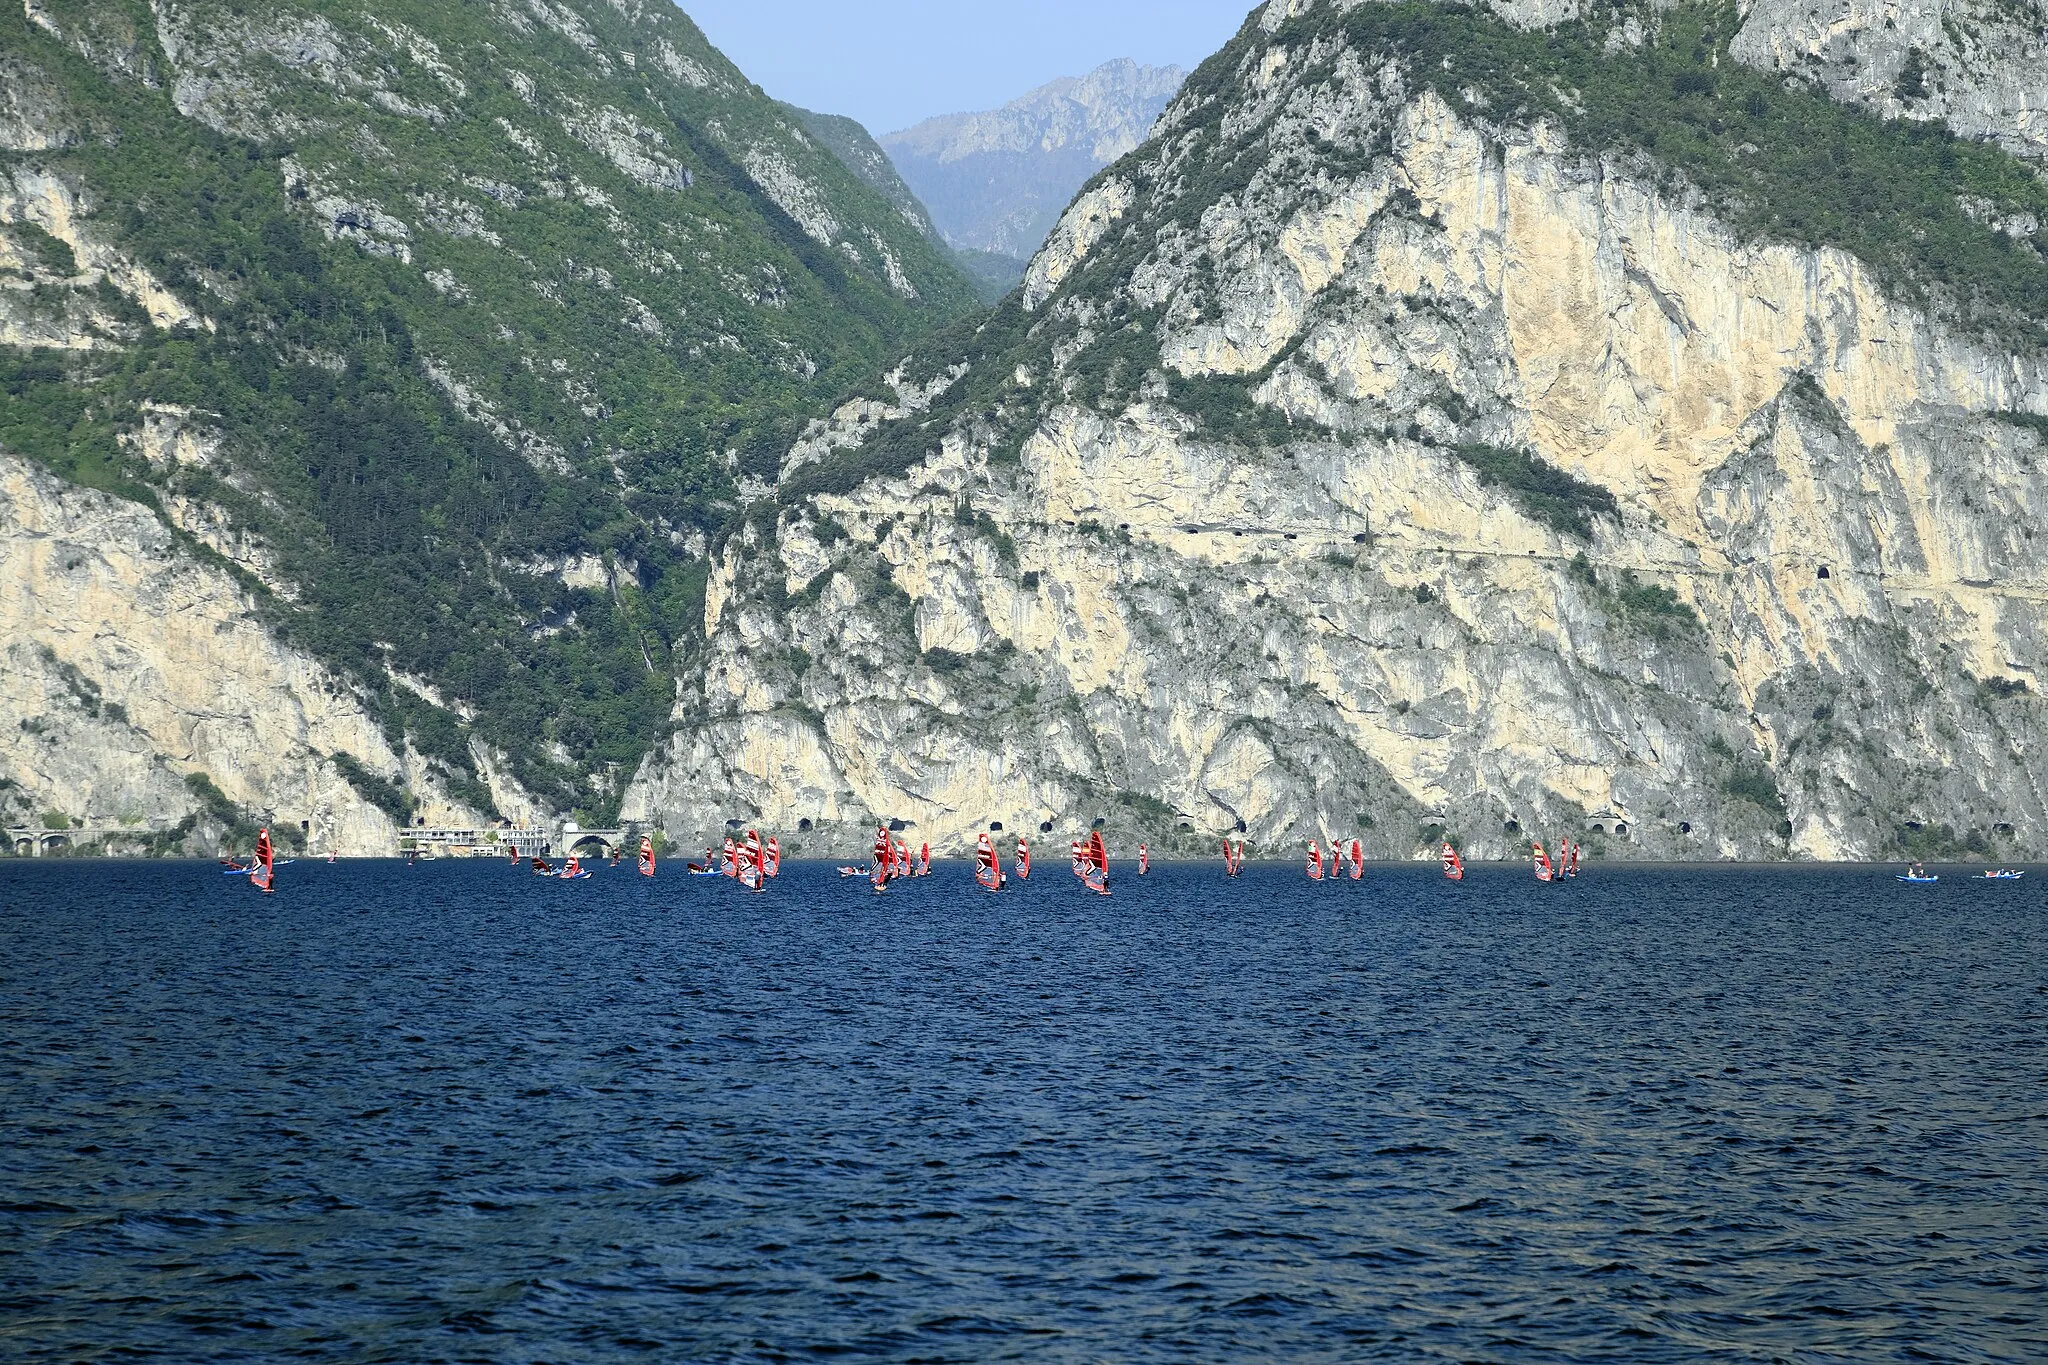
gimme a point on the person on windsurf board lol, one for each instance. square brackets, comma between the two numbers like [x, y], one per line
[1095, 875]
[883, 864]
[988, 869]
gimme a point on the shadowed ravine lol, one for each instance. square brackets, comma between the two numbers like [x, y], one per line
[454, 1113]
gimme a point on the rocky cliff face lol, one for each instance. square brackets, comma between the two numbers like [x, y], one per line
[996, 181]
[1979, 66]
[458, 326]
[1370, 454]
[137, 672]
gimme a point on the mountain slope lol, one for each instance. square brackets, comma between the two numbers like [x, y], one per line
[992, 275]
[857, 149]
[996, 181]
[1438, 426]
[452, 329]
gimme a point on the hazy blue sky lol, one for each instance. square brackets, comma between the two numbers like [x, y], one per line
[890, 63]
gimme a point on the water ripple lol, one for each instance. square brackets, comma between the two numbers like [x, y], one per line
[449, 1113]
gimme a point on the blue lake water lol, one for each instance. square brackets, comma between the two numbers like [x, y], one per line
[455, 1113]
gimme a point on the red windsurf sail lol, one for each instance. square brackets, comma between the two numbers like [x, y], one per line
[1357, 860]
[263, 869]
[1144, 860]
[1023, 859]
[1543, 872]
[987, 870]
[773, 849]
[646, 856]
[884, 860]
[730, 863]
[1096, 856]
[1454, 866]
[1315, 862]
[752, 868]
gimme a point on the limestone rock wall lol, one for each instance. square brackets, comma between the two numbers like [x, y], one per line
[1979, 66]
[1812, 626]
[132, 665]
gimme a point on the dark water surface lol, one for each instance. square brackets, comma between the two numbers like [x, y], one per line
[452, 1113]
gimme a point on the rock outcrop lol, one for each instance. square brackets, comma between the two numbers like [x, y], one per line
[134, 668]
[1979, 66]
[1367, 464]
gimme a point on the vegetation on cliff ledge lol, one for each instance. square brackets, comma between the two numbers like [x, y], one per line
[1960, 224]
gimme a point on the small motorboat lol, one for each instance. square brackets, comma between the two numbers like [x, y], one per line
[2003, 874]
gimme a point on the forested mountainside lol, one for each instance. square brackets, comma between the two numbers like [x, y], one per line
[1562, 420]
[856, 147]
[997, 181]
[439, 338]
[993, 275]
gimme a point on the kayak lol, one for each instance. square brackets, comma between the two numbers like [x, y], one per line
[1919, 881]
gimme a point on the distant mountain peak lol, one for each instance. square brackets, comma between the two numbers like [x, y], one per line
[997, 180]
[1109, 111]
